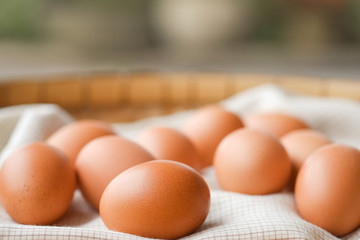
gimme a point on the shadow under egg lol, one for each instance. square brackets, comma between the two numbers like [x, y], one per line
[79, 212]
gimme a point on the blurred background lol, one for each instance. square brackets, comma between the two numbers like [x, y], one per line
[292, 37]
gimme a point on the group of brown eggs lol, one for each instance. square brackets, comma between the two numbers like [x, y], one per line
[151, 187]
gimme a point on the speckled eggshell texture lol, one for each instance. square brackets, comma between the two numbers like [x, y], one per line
[157, 199]
[37, 183]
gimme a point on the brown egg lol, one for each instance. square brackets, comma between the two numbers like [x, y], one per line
[157, 199]
[300, 144]
[103, 159]
[71, 138]
[37, 183]
[207, 127]
[251, 162]
[327, 190]
[168, 143]
[277, 124]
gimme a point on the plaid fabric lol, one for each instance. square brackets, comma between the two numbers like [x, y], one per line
[232, 215]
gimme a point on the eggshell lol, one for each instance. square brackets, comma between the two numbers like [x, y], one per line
[207, 127]
[103, 159]
[327, 190]
[37, 183]
[299, 144]
[168, 143]
[277, 124]
[157, 199]
[71, 138]
[251, 162]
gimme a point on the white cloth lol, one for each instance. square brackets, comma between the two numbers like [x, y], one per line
[232, 215]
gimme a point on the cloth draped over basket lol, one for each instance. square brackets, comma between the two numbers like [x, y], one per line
[232, 215]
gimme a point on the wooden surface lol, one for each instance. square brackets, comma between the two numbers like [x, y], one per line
[122, 97]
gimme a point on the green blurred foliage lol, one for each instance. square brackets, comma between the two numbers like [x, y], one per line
[352, 20]
[21, 19]
[26, 19]
[112, 4]
[269, 21]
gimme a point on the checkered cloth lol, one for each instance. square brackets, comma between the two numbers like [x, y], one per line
[232, 215]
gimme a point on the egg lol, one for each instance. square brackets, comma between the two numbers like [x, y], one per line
[207, 127]
[327, 190]
[168, 143]
[277, 124]
[299, 144]
[103, 159]
[71, 138]
[251, 162]
[37, 183]
[157, 199]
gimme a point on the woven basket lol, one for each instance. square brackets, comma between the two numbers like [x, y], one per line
[122, 97]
